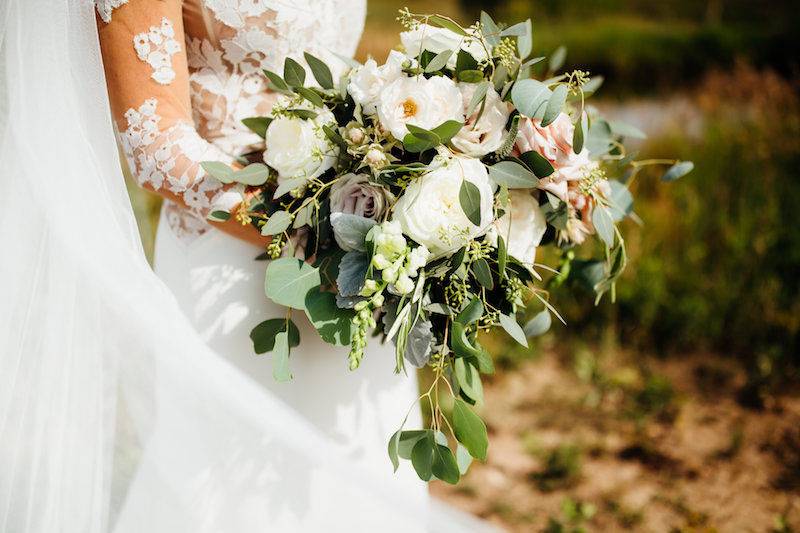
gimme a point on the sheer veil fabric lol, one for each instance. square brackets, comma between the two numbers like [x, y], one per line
[114, 416]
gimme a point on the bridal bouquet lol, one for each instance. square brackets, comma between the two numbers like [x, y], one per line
[409, 199]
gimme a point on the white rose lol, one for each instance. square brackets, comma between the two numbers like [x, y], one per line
[419, 101]
[430, 212]
[436, 40]
[368, 80]
[522, 226]
[298, 148]
[354, 194]
[485, 136]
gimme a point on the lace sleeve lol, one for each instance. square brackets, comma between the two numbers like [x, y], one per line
[146, 70]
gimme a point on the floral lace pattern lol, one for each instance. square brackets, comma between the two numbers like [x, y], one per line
[170, 159]
[156, 47]
[105, 7]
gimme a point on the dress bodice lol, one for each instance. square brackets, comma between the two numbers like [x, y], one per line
[183, 74]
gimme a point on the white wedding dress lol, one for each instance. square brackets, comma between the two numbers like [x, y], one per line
[115, 415]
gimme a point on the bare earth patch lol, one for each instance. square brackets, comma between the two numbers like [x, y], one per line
[659, 447]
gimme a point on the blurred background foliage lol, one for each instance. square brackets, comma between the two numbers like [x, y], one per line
[682, 376]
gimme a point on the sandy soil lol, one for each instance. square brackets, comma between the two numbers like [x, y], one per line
[662, 446]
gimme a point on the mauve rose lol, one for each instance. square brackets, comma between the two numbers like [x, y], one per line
[353, 194]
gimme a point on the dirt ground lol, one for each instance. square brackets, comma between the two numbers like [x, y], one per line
[577, 444]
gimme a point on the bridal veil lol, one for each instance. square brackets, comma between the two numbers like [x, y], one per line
[114, 416]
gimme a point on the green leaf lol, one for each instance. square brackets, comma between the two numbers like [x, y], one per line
[332, 323]
[310, 95]
[352, 273]
[468, 379]
[415, 145]
[220, 171]
[465, 61]
[509, 323]
[483, 273]
[424, 134]
[293, 72]
[604, 224]
[539, 324]
[447, 130]
[470, 430]
[591, 86]
[502, 256]
[470, 76]
[219, 216]
[304, 114]
[408, 439]
[280, 358]
[394, 444]
[678, 170]
[463, 458]
[477, 97]
[579, 134]
[438, 62]
[277, 223]
[530, 97]
[304, 215]
[512, 175]
[443, 22]
[540, 166]
[469, 196]
[558, 58]
[555, 104]
[263, 335]
[258, 125]
[626, 130]
[525, 41]
[288, 282]
[253, 174]
[621, 200]
[490, 30]
[288, 185]
[320, 71]
[276, 82]
[472, 312]
[422, 457]
[444, 464]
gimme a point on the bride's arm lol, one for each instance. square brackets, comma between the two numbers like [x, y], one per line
[148, 83]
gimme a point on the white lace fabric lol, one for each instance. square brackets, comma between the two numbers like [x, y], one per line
[202, 78]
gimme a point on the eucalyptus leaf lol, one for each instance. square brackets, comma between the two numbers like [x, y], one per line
[555, 104]
[512, 175]
[253, 174]
[469, 196]
[444, 22]
[288, 281]
[276, 82]
[280, 358]
[483, 273]
[258, 125]
[502, 256]
[320, 71]
[530, 97]
[286, 186]
[310, 95]
[470, 76]
[540, 166]
[220, 171]
[439, 62]
[471, 312]
[525, 41]
[447, 130]
[418, 345]
[509, 323]
[621, 200]
[277, 223]
[557, 58]
[477, 97]
[491, 31]
[579, 134]
[422, 457]
[539, 324]
[293, 73]
[470, 430]
[626, 130]
[604, 224]
[468, 379]
[678, 170]
[263, 335]
[444, 465]
[463, 458]
[219, 216]
[332, 323]
[352, 272]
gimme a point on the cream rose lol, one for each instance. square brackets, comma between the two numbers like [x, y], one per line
[554, 142]
[368, 80]
[419, 101]
[298, 148]
[436, 40]
[353, 194]
[430, 212]
[522, 226]
[476, 139]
